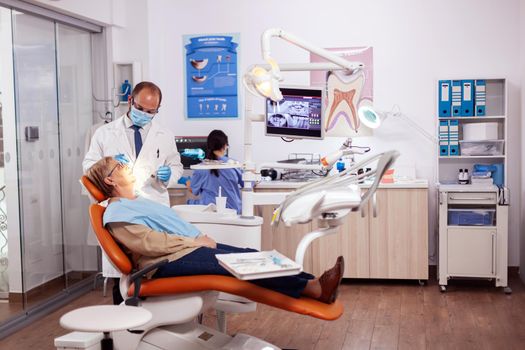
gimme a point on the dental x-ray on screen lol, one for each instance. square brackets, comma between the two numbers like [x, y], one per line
[297, 115]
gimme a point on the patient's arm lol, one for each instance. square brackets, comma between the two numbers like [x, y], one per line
[145, 241]
[206, 241]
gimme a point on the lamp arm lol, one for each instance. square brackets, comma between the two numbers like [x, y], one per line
[292, 39]
[413, 124]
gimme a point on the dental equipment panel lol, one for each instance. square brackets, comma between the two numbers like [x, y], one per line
[298, 115]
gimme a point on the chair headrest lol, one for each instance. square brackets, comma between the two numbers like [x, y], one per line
[93, 190]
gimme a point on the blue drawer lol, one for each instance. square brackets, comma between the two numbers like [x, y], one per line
[468, 217]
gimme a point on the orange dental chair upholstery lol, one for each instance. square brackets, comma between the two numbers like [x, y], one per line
[178, 300]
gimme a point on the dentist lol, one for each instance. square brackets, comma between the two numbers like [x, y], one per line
[136, 139]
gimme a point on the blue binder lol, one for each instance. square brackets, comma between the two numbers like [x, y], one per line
[443, 137]
[445, 98]
[456, 98]
[481, 97]
[467, 101]
[453, 137]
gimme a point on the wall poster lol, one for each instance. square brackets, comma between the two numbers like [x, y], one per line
[211, 76]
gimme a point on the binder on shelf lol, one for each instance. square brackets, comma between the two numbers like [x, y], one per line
[443, 137]
[481, 97]
[453, 137]
[456, 98]
[467, 100]
[445, 98]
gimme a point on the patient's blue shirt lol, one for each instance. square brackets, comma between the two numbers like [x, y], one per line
[145, 212]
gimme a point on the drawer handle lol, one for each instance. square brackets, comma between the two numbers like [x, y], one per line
[178, 194]
[374, 204]
[473, 198]
[493, 253]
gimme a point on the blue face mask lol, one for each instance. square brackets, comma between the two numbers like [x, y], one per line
[140, 118]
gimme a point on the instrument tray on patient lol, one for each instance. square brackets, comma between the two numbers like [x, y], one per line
[256, 265]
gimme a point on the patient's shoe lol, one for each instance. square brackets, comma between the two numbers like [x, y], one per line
[330, 281]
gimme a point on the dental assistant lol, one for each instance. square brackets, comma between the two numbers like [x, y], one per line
[206, 183]
[139, 141]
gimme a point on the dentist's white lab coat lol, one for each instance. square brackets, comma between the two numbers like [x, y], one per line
[158, 149]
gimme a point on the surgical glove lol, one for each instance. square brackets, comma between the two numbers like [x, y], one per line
[183, 180]
[164, 173]
[122, 159]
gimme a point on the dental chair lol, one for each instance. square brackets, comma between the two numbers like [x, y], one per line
[176, 302]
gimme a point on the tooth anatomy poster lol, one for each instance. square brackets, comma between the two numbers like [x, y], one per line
[345, 92]
[211, 76]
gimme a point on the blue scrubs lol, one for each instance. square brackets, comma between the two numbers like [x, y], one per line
[206, 185]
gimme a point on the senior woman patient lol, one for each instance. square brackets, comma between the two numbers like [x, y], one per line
[151, 232]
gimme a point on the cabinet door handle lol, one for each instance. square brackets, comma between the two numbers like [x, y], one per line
[493, 253]
[374, 204]
[472, 198]
[362, 212]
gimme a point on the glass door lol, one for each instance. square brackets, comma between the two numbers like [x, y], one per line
[75, 119]
[39, 156]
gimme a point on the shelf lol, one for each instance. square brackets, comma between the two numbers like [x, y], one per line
[496, 117]
[472, 157]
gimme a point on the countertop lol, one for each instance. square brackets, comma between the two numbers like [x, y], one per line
[418, 183]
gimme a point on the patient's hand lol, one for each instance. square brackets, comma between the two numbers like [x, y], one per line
[206, 241]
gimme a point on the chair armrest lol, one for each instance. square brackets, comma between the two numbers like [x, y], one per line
[136, 279]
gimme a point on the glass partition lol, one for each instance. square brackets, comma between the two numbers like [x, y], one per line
[46, 110]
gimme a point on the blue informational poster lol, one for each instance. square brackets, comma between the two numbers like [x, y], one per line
[211, 76]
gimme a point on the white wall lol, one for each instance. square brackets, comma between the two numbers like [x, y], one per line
[415, 44]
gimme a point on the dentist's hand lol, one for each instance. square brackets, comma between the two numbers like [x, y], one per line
[163, 173]
[122, 159]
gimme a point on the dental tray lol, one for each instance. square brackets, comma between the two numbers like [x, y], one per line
[256, 265]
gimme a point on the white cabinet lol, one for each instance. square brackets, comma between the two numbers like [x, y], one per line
[472, 248]
[471, 251]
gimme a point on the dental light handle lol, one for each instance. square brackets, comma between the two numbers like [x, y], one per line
[330, 159]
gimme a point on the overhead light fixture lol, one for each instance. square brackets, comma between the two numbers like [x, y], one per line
[264, 80]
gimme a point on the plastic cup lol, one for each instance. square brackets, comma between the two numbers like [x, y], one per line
[220, 203]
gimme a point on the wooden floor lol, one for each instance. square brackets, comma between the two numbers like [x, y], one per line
[378, 315]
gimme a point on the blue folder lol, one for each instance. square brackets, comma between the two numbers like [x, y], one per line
[467, 100]
[456, 98]
[443, 137]
[445, 98]
[481, 97]
[453, 137]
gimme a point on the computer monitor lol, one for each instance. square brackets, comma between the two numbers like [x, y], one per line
[298, 115]
[192, 149]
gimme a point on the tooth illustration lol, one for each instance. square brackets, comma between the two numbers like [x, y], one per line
[343, 95]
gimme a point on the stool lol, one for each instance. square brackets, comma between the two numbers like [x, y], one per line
[106, 319]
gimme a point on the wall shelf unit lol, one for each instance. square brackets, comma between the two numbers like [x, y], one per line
[473, 218]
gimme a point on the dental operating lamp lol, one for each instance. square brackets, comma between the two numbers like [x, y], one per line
[264, 80]
[373, 119]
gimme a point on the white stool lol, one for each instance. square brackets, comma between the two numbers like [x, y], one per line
[106, 319]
